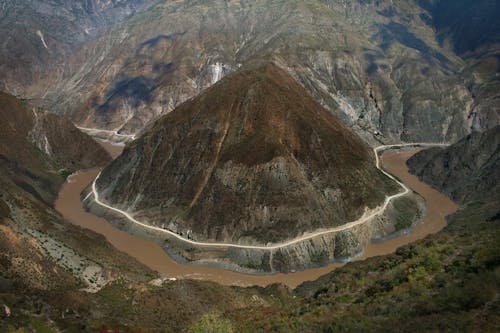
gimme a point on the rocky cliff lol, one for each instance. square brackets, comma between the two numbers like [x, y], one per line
[392, 70]
[467, 171]
[252, 159]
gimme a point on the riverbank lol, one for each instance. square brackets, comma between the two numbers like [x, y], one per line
[153, 256]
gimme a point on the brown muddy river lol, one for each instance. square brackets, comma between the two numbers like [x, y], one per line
[151, 255]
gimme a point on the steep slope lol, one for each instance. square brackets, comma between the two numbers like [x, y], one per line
[37, 149]
[375, 64]
[481, 76]
[466, 30]
[468, 170]
[253, 157]
[446, 282]
[472, 29]
[39, 35]
[41, 254]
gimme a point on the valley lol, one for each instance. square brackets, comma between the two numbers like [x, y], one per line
[249, 166]
[153, 256]
[253, 175]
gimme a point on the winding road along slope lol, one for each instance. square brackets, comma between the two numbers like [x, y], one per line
[349, 225]
[152, 255]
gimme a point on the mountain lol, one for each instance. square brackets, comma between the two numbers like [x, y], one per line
[378, 65]
[37, 138]
[391, 70]
[39, 35]
[472, 30]
[445, 282]
[254, 142]
[467, 25]
[467, 171]
[37, 148]
[40, 252]
[252, 158]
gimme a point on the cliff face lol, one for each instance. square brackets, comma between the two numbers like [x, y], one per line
[253, 158]
[468, 170]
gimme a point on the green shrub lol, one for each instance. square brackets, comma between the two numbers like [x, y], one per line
[213, 323]
[65, 173]
[416, 274]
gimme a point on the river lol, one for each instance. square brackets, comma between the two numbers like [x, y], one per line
[151, 254]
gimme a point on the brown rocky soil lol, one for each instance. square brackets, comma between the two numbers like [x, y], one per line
[254, 157]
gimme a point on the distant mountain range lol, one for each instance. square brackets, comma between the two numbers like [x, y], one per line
[391, 70]
[39, 36]
[252, 123]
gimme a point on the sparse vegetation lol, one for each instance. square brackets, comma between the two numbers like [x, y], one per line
[394, 70]
[446, 282]
[213, 322]
[407, 212]
[65, 173]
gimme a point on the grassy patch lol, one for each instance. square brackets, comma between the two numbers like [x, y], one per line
[213, 322]
[65, 173]
[407, 211]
